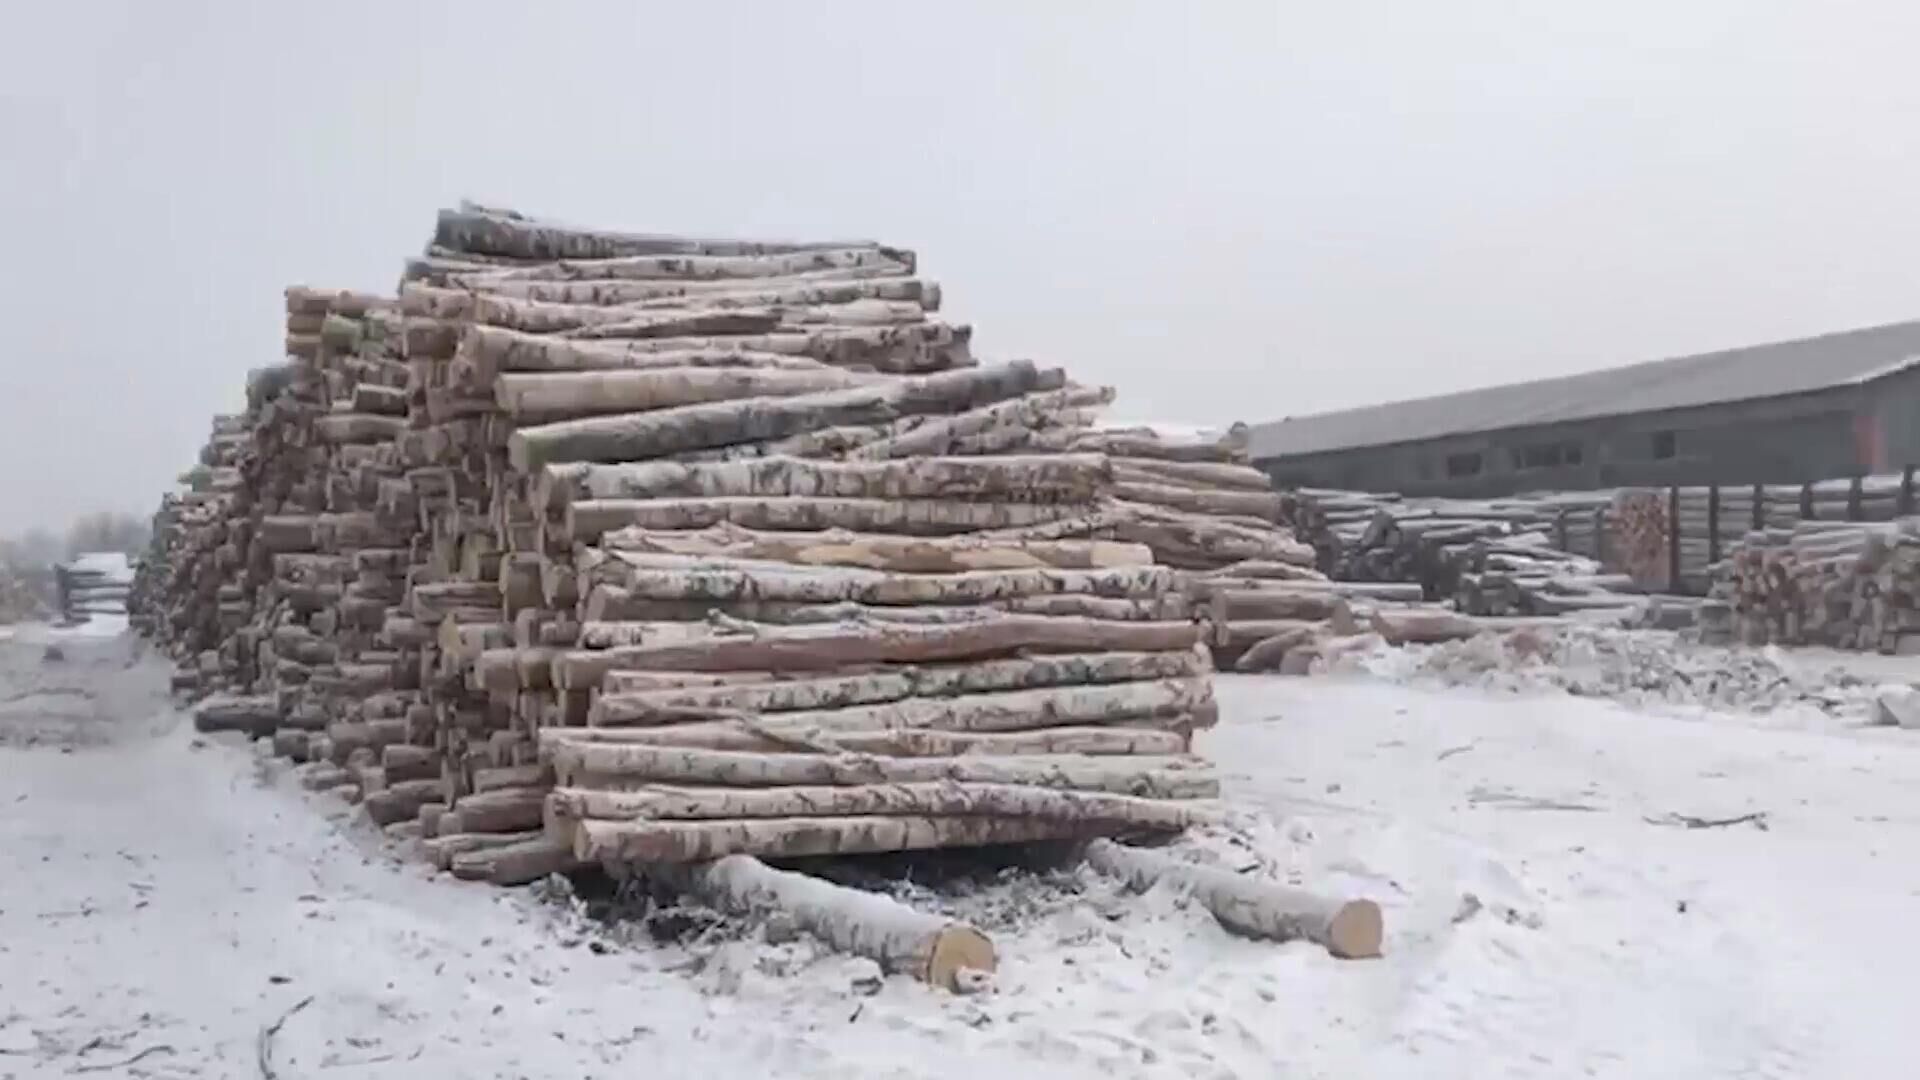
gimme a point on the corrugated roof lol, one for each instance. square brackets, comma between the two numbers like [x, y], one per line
[1757, 371]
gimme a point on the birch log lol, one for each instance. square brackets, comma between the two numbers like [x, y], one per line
[1349, 929]
[635, 692]
[681, 577]
[587, 521]
[949, 434]
[640, 436]
[1051, 478]
[754, 737]
[791, 838]
[1152, 777]
[667, 803]
[932, 949]
[827, 648]
[908, 554]
[1007, 710]
[543, 398]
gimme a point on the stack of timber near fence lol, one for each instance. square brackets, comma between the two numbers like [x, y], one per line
[1524, 556]
[651, 551]
[1557, 553]
[1848, 585]
[1673, 538]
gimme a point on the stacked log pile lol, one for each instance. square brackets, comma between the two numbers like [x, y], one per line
[1506, 557]
[444, 525]
[93, 583]
[1839, 584]
[655, 551]
[753, 480]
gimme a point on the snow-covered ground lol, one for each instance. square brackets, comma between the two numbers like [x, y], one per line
[1548, 914]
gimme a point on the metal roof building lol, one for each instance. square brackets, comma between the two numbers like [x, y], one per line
[1791, 411]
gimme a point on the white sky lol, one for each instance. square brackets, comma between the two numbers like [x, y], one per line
[1228, 210]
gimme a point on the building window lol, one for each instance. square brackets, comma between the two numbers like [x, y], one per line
[1463, 464]
[1547, 455]
[1664, 445]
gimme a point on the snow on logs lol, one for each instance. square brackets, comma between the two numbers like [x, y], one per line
[735, 541]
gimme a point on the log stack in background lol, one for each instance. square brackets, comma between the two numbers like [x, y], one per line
[1502, 557]
[1839, 584]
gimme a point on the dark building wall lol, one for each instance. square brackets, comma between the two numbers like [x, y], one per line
[1833, 433]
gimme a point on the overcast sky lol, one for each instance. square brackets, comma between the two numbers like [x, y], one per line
[1227, 210]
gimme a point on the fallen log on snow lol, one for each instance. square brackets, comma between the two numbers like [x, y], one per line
[935, 950]
[1349, 929]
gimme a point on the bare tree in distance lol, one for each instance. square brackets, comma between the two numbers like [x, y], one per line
[107, 530]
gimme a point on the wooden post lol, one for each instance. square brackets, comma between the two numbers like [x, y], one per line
[1906, 491]
[1806, 501]
[1673, 539]
[1853, 499]
[1759, 507]
[1600, 534]
[1713, 524]
[1560, 530]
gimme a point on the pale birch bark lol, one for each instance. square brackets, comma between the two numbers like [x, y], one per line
[617, 705]
[932, 949]
[908, 554]
[1078, 478]
[635, 842]
[1422, 626]
[948, 434]
[1155, 777]
[1350, 929]
[685, 577]
[640, 436]
[545, 398]
[827, 648]
[1170, 736]
[586, 521]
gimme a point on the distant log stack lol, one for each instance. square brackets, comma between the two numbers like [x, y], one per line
[1839, 584]
[93, 583]
[600, 547]
[1502, 557]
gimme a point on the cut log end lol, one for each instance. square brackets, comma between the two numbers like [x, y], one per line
[958, 949]
[1356, 930]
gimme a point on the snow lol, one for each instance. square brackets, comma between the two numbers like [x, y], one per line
[114, 564]
[1547, 916]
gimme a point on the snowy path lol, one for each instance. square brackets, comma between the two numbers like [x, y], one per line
[155, 894]
[1660, 951]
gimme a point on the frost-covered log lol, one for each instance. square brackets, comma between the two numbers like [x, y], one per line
[1422, 626]
[789, 838]
[256, 716]
[962, 432]
[638, 436]
[692, 577]
[666, 803]
[1007, 710]
[588, 520]
[932, 949]
[1155, 777]
[829, 648]
[615, 706]
[543, 398]
[749, 736]
[1350, 929]
[1052, 478]
[909, 554]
